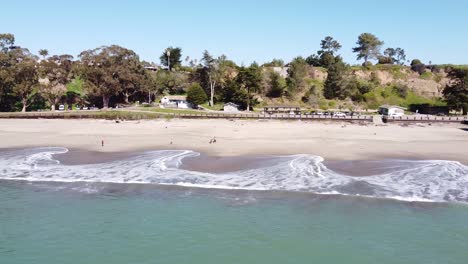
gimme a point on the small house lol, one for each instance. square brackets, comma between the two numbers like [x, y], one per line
[391, 110]
[231, 107]
[175, 101]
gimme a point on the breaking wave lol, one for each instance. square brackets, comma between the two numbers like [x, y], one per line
[432, 180]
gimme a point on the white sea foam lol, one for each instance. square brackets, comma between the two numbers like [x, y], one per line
[413, 181]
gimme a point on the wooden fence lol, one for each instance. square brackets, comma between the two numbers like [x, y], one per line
[426, 118]
[137, 115]
[134, 115]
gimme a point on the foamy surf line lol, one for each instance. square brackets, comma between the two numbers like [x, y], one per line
[422, 181]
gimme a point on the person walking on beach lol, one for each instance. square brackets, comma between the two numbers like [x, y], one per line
[102, 142]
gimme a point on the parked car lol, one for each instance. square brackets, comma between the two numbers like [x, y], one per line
[339, 114]
[85, 108]
[61, 108]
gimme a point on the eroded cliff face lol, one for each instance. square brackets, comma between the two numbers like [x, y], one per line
[428, 84]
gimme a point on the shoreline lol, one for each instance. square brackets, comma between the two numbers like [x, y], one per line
[227, 164]
[246, 138]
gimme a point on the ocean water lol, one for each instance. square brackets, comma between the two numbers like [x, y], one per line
[146, 209]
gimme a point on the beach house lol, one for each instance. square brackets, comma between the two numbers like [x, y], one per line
[231, 107]
[175, 101]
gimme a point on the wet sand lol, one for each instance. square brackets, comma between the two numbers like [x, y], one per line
[213, 164]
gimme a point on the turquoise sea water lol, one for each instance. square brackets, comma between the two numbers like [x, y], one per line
[118, 223]
[147, 208]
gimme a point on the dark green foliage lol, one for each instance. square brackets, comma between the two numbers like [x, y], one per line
[314, 60]
[368, 47]
[276, 85]
[233, 93]
[397, 56]
[329, 45]
[385, 60]
[334, 84]
[456, 92]
[416, 62]
[367, 64]
[327, 59]
[297, 72]
[326, 56]
[419, 68]
[249, 80]
[108, 70]
[274, 63]
[174, 57]
[401, 90]
[196, 95]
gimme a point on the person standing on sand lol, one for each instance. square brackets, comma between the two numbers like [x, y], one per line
[102, 142]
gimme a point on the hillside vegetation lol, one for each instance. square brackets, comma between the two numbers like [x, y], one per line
[113, 75]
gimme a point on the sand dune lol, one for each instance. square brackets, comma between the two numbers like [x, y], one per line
[331, 141]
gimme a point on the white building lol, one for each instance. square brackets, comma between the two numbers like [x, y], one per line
[175, 101]
[391, 110]
[231, 107]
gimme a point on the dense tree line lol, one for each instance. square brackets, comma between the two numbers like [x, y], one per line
[110, 75]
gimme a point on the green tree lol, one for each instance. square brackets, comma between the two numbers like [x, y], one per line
[215, 70]
[25, 79]
[326, 55]
[171, 58]
[368, 47]
[54, 73]
[297, 73]
[101, 69]
[314, 60]
[397, 56]
[456, 91]
[274, 63]
[196, 95]
[250, 79]
[334, 84]
[18, 74]
[329, 45]
[276, 84]
[44, 53]
[132, 77]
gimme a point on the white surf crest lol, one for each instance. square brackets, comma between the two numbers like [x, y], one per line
[413, 181]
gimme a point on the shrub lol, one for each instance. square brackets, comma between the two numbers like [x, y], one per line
[419, 68]
[385, 60]
[401, 90]
[416, 62]
[426, 75]
[367, 64]
[196, 95]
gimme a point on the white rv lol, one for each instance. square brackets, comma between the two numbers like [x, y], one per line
[391, 110]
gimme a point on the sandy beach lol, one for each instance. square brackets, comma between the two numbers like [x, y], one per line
[333, 141]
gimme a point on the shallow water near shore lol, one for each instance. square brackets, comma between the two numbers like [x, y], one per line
[134, 223]
[293, 209]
